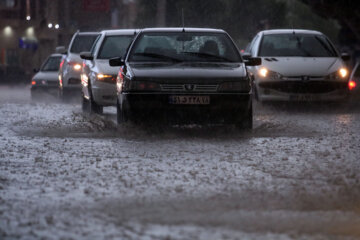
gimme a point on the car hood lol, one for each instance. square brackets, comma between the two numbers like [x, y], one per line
[187, 71]
[104, 67]
[300, 66]
[48, 76]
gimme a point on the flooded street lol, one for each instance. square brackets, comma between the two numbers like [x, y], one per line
[68, 175]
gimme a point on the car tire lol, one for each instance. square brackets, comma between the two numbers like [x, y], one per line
[85, 105]
[61, 95]
[246, 122]
[120, 114]
[93, 106]
[256, 93]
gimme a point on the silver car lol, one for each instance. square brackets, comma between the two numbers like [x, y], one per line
[297, 65]
[71, 65]
[98, 78]
[46, 79]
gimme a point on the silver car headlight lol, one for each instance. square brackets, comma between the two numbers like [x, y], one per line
[267, 74]
[340, 74]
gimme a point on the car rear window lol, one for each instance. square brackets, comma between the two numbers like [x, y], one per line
[83, 43]
[296, 45]
[51, 65]
[184, 46]
[114, 46]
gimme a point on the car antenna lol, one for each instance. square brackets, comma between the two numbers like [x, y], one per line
[183, 19]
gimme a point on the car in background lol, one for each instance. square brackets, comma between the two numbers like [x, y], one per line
[71, 64]
[98, 78]
[354, 82]
[46, 79]
[184, 76]
[297, 65]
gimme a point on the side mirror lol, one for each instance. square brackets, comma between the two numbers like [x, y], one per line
[36, 70]
[345, 56]
[116, 62]
[246, 55]
[61, 50]
[86, 56]
[253, 61]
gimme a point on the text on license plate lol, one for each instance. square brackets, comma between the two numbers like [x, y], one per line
[189, 100]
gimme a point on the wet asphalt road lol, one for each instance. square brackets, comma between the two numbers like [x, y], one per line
[68, 175]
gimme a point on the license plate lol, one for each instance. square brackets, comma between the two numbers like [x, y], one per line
[304, 98]
[189, 100]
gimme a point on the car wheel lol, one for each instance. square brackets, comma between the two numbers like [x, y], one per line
[120, 114]
[256, 94]
[61, 94]
[94, 107]
[85, 106]
[246, 122]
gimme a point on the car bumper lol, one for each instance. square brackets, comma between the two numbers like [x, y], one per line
[44, 89]
[104, 94]
[221, 109]
[302, 92]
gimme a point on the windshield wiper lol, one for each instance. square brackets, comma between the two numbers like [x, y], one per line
[207, 55]
[324, 45]
[159, 56]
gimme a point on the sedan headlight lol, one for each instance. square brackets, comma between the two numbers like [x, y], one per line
[106, 78]
[342, 73]
[77, 67]
[266, 73]
[263, 72]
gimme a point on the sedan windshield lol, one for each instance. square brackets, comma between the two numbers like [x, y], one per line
[51, 65]
[83, 43]
[114, 46]
[296, 45]
[184, 47]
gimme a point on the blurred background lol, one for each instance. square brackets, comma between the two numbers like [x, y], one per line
[31, 29]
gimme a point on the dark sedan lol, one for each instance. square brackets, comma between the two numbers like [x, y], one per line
[184, 76]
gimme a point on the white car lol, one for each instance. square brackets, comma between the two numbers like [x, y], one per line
[297, 65]
[71, 64]
[98, 78]
[46, 79]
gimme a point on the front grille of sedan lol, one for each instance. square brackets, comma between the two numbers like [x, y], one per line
[74, 81]
[189, 87]
[300, 87]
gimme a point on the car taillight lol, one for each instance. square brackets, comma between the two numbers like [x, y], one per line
[352, 85]
[235, 86]
[33, 83]
[143, 86]
[62, 63]
[120, 80]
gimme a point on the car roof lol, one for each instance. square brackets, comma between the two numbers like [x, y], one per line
[56, 55]
[88, 33]
[183, 29]
[120, 32]
[284, 31]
